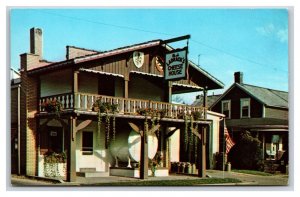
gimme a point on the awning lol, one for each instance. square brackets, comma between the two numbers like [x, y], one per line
[187, 86]
[101, 72]
[147, 74]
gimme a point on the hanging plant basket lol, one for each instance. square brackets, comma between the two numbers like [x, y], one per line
[52, 106]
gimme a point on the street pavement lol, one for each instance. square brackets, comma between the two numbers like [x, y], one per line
[247, 179]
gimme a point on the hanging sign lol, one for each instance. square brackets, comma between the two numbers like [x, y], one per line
[176, 64]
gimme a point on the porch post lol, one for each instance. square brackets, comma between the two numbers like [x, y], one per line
[144, 152]
[71, 153]
[170, 91]
[75, 85]
[202, 154]
[263, 145]
[164, 147]
[205, 101]
[75, 89]
[126, 81]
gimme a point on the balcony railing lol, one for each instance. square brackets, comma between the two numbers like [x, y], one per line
[84, 102]
[66, 100]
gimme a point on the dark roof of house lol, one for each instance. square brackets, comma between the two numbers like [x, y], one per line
[210, 100]
[267, 96]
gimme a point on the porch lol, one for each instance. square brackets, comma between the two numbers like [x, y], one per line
[78, 114]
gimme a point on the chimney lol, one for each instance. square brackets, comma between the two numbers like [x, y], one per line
[36, 42]
[238, 77]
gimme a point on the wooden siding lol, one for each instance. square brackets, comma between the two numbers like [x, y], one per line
[123, 65]
[88, 83]
[235, 94]
[58, 82]
[271, 112]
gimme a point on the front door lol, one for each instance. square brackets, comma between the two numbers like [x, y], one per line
[52, 140]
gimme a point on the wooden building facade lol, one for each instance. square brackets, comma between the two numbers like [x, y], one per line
[61, 109]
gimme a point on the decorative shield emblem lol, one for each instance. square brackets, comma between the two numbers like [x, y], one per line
[159, 64]
[138, 59]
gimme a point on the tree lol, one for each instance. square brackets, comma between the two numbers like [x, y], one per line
[247, 153]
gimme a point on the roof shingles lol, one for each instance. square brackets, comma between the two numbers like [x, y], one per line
[267, 96]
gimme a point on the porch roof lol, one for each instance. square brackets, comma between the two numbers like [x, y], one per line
[184, 88]
[258, 124]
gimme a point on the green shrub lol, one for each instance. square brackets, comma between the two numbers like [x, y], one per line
[247, 153]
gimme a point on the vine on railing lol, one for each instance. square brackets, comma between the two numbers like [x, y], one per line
[107, 109]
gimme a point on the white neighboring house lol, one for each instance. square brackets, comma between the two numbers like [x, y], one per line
[213, 137]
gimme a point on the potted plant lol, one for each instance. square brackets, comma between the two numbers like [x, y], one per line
[155, 162]
[55, 164]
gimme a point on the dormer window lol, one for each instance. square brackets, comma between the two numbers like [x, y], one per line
[226, 108]
[245, 108]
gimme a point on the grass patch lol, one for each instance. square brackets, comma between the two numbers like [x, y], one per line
[254, 172]
[190, 182]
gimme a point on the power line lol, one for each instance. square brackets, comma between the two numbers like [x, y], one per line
[235, 56]
[161, 33]
[108, 24]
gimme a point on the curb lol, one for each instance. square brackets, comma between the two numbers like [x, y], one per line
[45, 179]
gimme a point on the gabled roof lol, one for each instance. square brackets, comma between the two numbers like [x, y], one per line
[117, 51]
[14, 74]
[266, 96]
[210, 100]
[211, 81]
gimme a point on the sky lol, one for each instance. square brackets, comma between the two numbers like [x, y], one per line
[223, 41]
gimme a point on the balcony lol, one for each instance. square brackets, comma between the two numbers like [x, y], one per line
[83, 103]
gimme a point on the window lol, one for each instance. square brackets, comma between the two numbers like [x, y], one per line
[245, 108]
[226, 108]
[87, 143]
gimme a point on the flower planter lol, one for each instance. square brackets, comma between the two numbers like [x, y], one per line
[55, 169]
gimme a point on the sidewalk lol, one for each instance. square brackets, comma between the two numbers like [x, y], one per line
[247, 179]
